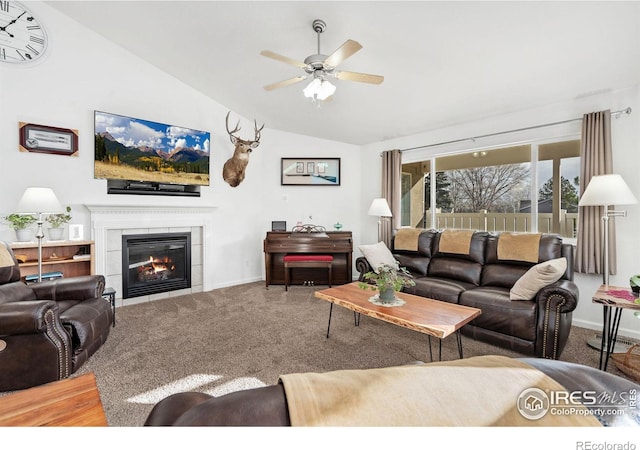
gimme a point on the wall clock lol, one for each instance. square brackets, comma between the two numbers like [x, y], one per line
[23, 39]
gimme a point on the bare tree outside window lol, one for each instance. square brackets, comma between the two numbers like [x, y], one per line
[491, 188]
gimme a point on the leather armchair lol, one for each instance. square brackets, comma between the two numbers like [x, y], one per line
[49, 329]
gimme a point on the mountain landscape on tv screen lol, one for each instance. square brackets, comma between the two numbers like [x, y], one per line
[171, 161]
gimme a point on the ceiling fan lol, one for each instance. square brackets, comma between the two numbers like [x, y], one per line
[320, 66]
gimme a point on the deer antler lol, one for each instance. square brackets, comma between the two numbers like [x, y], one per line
[257, 130]
[236, 129]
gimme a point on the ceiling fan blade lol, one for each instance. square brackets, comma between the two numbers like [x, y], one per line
[284, 59]
[284, 83]
[343, 52]
[359, 77]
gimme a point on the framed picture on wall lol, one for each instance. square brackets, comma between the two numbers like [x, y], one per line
[46, 139]
[310, 171]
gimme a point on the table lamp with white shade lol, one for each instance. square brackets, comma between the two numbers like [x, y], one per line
[39, 201]
[380, 208]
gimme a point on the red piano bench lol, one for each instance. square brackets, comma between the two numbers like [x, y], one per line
[307, 261]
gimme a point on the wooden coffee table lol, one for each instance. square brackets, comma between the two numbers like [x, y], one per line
[431, 317]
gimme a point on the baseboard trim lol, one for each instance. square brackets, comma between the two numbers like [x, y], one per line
[624, 334]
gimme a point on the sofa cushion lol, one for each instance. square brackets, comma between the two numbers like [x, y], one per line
[378, 255]
[537, 277]
[456, 269]
[500, 314]
[502, 275]
[15, 292]
[443, 289]
[416, 265]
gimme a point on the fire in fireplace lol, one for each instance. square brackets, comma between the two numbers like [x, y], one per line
[154, 263]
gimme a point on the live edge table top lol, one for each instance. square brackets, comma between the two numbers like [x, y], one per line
[425, 315]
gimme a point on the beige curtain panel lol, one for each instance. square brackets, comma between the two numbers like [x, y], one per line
[595, 159]
[391, 190]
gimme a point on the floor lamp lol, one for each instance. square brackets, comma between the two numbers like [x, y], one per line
[379, 207]
[39, 201]
[606, 190]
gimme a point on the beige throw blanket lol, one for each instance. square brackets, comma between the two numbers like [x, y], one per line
[519, 247]
[407, 239]
[455, 241]
[5, 257]
[478, 391]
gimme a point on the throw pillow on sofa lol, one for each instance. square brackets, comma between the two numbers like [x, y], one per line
[378, 255]
[537, 277]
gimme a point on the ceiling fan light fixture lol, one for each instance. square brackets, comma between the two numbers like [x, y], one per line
[319, 89]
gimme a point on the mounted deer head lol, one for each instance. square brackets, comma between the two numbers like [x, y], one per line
[233, 170]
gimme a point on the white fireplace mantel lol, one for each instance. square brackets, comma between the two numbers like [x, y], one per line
[117, 217]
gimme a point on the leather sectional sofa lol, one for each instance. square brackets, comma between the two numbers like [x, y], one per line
[482, 277]
[48, 330]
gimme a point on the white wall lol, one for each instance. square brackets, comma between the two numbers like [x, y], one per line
[625, 141]
[80, 75]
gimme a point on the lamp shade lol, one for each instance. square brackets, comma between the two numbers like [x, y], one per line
[379, 207]
[607, 190]
[319, 89]
[39, 200]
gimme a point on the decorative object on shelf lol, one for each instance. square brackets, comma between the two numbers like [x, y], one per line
[388, 280]
[634, 282]
[20, 223]
[56, 232]
[76, 232]
[24, 39]
[310, 171]
[39, 201]
[278, 225]
[308, 228]
[337, 226]
[379, 207]
[46, 139]
[233, 171]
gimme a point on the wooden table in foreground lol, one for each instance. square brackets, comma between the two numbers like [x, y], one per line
[72, 402]
[431, 317]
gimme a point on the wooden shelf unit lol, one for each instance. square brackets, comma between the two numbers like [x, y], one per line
[62, 261]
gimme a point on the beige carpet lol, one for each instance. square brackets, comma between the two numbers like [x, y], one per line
[247, 336]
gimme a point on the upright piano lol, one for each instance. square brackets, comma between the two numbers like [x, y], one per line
[339, 244]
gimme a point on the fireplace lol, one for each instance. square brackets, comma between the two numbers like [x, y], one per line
[154, 263]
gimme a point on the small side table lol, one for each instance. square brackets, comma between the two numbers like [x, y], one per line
[613, 299]
[109, 294]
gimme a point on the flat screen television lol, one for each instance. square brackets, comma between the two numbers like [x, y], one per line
[140, 150]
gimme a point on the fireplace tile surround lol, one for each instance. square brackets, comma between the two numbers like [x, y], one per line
[109, 223]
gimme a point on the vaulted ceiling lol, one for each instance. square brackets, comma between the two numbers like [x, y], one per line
[443, 63]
